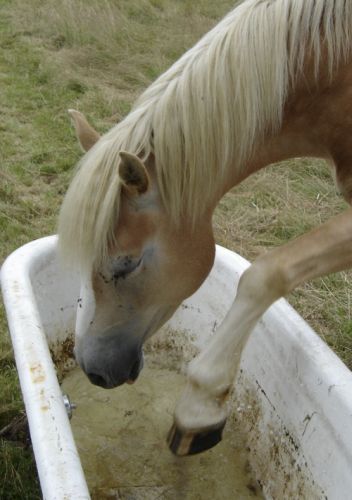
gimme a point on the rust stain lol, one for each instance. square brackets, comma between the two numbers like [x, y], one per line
[62, 356]
[45, 408]
[37, 373]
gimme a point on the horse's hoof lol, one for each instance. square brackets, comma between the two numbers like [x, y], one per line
[183, 443]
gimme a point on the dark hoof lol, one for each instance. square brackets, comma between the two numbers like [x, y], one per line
[184, 443]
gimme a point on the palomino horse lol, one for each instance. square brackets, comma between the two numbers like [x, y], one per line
[272, 81]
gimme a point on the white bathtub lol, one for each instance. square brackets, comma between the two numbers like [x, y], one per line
[293, 396]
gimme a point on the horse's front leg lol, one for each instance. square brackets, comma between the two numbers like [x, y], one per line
[201, 412]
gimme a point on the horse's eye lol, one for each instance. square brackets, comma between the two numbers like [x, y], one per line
[122, 266]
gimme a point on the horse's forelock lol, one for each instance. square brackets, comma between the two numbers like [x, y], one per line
[90, 208]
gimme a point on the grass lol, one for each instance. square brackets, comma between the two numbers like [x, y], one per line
[97, 56]
[280, 203]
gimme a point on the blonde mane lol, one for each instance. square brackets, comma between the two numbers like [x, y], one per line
[203, 116]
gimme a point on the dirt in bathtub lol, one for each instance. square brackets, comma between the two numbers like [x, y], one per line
[121, 438]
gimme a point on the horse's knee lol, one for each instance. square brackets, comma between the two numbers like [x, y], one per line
[265, 281]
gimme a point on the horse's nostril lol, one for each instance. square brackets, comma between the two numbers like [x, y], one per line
[134, 371]
[97, 379]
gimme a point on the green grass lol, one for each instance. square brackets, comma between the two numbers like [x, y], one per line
[97, 56]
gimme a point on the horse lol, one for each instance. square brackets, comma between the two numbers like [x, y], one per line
[272, 81]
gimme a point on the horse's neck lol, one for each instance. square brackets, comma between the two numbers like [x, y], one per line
[317, 122]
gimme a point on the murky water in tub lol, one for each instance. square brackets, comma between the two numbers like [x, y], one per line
[121, 438]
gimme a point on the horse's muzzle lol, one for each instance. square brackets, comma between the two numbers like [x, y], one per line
[110, 360]
[109, 380]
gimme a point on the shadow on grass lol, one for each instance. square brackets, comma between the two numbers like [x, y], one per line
[18, 474]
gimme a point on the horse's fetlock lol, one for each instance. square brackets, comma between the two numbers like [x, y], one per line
[209, 382]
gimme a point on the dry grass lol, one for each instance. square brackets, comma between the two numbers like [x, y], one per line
[95, 56]
[116, 47]
[276, 205]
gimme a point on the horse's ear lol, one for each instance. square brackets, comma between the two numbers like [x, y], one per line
[133, 173]
[86, 134]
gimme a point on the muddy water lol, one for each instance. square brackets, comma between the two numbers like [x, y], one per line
[120, 435]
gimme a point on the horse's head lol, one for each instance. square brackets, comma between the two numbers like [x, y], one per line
[150, 269]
